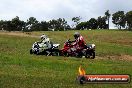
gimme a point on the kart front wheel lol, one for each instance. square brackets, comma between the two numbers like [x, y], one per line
[31, 52]
[90, 55]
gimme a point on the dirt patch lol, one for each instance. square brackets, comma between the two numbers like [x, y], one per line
[21, 34]
[126, 57]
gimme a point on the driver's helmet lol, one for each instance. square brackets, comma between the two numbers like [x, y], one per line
[76, 35]
[43, 37]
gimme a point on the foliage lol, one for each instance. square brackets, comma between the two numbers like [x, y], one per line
[93, 23]
[107, 15]
[81, 26]
[76, 20]
[129, 19]
[102, 23]
[59, 24]
[118, 19]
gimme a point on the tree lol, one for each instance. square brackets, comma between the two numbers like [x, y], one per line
[44, 26]
[93, 23]
[82, 26]
[76, 20]
[32, 24]
[107, 14]
[102, 23]
[118, 19]
[17, 24]
[62, 23]
[87, 25]
[1, 25]
[7, 25]
[52, 24]
[129, 19]
[59, 24]
[67, 27]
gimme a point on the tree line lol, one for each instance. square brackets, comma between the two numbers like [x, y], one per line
[120, 19]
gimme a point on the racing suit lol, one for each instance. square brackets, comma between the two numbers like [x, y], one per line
[48, 43]
[79, 43]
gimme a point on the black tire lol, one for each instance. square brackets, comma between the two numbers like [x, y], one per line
[31, 52]
[93, 55]
[47, 52]
[37, 53]
[78, 55]
[57, 52]
[90, 55]
[87, 55]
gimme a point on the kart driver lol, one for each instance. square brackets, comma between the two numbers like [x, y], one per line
[46, 40]
[79, 41]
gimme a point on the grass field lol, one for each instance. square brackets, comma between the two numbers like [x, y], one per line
[19, 69]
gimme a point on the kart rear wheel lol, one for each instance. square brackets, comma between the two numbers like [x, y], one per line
[36, 52]
[87, 55]
[57, 52]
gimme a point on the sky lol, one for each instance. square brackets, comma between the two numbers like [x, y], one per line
[45, 10]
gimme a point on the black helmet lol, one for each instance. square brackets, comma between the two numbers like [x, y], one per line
[76, 35]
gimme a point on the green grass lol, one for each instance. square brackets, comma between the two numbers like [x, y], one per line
[19, 69]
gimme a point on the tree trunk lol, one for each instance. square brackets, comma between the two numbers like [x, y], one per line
[108, 23]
